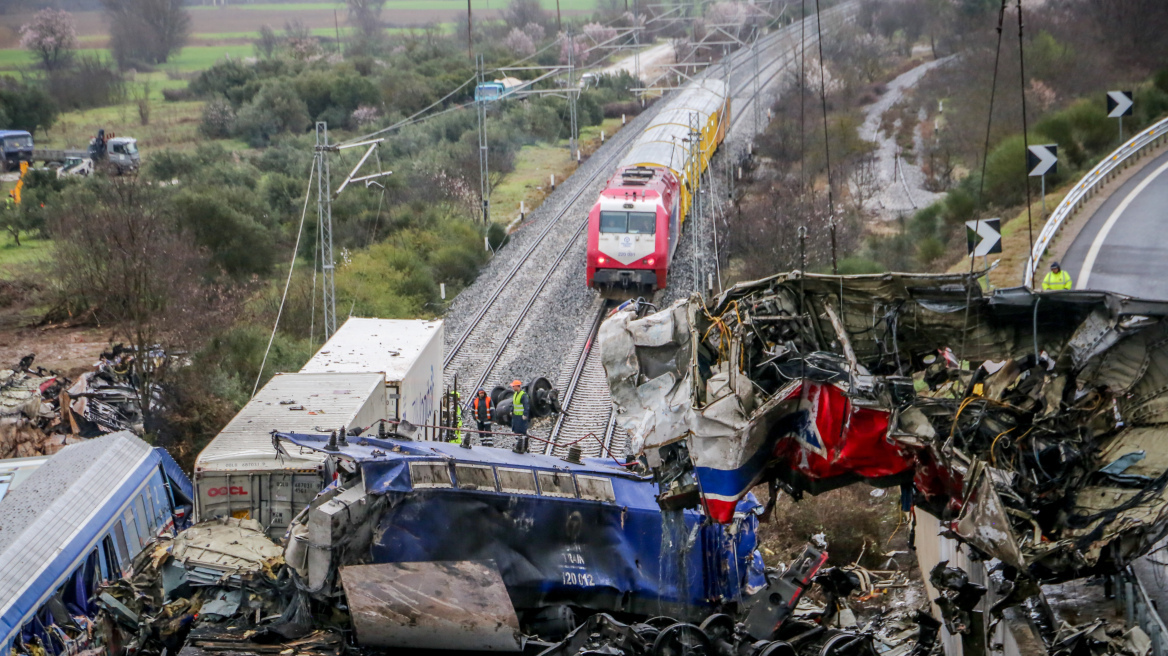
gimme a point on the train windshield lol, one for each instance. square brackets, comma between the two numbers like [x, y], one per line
[642, 223]
[614, 221]
[634, 223]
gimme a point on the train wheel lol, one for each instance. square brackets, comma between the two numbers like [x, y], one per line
[682, 640]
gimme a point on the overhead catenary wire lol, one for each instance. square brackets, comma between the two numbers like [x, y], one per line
[989, 121]
[1025, 135]
[826, 146]
[288, 282]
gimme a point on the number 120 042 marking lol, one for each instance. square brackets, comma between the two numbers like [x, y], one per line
[578, 578]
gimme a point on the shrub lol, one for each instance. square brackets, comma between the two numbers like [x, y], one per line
[92, 82]
[177, 95]
[226, 78]
[218, 119]
[275, 109]
[238, 244]
[26, 106]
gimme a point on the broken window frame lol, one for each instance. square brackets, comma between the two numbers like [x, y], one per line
[609, 493]
[501, 471]
[554, 490]
[430, 484]
[460, 467]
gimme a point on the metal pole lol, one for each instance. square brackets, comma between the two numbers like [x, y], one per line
[469, 41]
[484, 154]
[834, 261]
[324, 215]
[1044, 193]
[757, 109]
[1120, 129]
[572, 95]
[695, 199]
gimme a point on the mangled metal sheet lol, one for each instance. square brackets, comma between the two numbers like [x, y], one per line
[431, 605]
[225, 550]
[1034, 420]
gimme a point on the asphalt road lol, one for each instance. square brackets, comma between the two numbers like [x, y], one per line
[1123, 247]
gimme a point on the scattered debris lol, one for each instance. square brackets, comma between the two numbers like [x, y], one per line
[1030, 422]
[42, 411]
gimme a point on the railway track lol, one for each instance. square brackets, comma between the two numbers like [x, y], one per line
[491, 333]
[589, 420]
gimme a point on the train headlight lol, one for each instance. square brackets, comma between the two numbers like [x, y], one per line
[650, 261]
[601, 259]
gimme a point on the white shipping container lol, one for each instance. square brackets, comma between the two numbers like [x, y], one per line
[408, 351]
[239, 473]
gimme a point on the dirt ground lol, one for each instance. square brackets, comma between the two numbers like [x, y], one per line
[69, 351]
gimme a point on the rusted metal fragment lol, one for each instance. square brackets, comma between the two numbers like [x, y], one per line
[456, 605]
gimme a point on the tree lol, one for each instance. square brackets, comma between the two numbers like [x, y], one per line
[146, 31]
[26, 106]
[365, 15]
[52, 36]
[120, 256]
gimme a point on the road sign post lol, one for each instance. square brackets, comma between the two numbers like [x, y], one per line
[1040, 160]
[1119, 104]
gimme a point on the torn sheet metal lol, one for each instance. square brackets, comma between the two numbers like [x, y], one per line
[814, 382]
[225, 551]
[431, 605]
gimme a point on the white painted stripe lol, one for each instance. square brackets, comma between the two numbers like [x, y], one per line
[1092, 254]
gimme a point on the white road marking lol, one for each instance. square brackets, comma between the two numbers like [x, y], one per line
[1089, 262]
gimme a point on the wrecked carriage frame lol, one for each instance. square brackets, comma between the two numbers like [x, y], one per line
[1029, 421]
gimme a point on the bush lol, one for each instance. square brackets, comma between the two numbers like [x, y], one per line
[177, 95]
[275, 109]
[497, 236]
[222, 222]
[226, 78]
[26, 106]
[218, 119]
[91, 83]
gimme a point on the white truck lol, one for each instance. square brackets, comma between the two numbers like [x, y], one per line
[239, 473]
[407, 351]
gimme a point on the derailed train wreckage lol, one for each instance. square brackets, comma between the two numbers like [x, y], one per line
[1028, 423]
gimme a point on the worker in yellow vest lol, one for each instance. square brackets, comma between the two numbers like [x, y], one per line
[1057, 279]
[520, 413]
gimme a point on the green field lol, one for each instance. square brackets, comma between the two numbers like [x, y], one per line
[190, 59]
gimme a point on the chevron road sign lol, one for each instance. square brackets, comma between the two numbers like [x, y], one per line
[1042, 159]
[983, 237]
[1119, 103]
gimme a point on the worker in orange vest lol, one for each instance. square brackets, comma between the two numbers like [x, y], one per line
[481, 408]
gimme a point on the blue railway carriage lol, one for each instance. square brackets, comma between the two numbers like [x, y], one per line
[567, 537]
[77, 521]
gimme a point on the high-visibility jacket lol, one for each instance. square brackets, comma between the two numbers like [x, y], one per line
[517, 408]
[482, 411]
[1056, 281]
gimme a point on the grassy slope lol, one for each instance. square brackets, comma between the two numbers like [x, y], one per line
[529, 181]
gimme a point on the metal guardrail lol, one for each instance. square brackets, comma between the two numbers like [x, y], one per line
[1091, 183]
[1138, 609]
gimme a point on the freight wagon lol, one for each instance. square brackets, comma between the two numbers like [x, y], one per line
[407, 352]
[239, 475]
